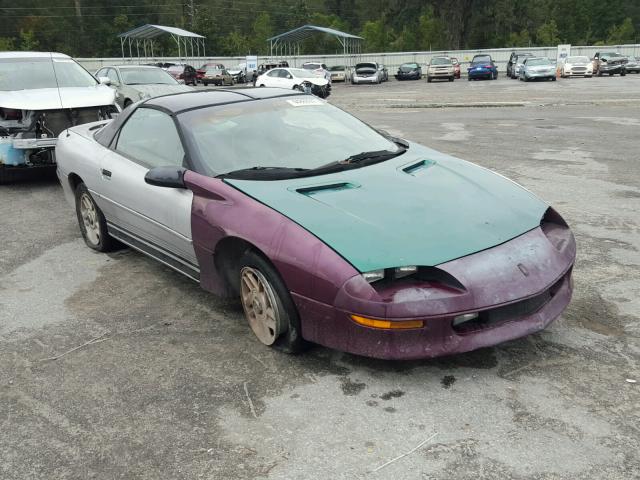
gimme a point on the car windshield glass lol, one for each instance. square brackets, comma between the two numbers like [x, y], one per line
[32, 73]
[440, 61]
[407, 67]
[175, 69]
[144, 76]
[610, 54]
[311, 66]
[300, 73]
[485, 59]
[538, 61]
[213, 71]
[300, 132]
[336, 69]
[577, 60]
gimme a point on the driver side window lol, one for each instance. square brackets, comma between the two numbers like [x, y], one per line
[274, 73]
[149, 137]
[283, 74]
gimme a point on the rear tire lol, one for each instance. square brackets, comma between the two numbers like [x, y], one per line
[93, 225]
[451, 79]
[428, 79]
[267, 304]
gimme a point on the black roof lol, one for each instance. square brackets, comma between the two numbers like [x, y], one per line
[179, 102]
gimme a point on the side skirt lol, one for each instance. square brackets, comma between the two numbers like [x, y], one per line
[154, 251]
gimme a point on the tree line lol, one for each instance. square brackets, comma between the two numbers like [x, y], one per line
[89, 28]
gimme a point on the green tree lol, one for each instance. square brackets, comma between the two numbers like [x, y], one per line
[378, 37]
[548, 35]
[6, 44]
[28, 40]
[262, 30]
[235, 44]
[431, 32]
[623, 33]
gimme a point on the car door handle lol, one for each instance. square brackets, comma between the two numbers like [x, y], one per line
[106, 173]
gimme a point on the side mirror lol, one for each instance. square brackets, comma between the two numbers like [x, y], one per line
[289, 77]
[104, 80]
[171, 177]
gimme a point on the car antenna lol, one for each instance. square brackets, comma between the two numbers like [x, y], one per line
[55, 75]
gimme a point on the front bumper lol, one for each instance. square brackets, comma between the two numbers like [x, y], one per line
[482, 73]
[357, 79]
[578, 73]
[518, 288]
[409, 76]
[541, 74]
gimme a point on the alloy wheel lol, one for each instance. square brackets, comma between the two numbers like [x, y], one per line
[89, 216]
[260, 306]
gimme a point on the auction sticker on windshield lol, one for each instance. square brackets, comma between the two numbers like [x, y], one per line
[303, 102]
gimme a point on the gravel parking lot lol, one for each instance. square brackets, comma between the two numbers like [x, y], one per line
[170, 383]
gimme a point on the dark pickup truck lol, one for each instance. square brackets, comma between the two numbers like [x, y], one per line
[609, 62]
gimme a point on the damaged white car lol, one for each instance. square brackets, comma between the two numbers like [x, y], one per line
[41, 95]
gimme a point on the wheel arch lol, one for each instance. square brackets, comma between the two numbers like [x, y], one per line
[74, 180]
[226, 257]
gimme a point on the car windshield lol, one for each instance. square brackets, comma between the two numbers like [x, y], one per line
[311, 66]
[440, 61]
[146, 76]
[214, 71]
[483, 59]
[407, 67]
[337, 68]
[610, 54]
[301, 132]
[538, 61]
[577, 60]
[31, 73]
[300, 73]
[175, 68]
[237, 68]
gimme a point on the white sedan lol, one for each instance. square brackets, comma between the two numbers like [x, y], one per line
[295, 79]
[576, 66]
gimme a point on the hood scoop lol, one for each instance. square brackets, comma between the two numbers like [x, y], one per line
[327, 188]
[418, 167]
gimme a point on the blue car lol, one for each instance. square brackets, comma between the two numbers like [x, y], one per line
[482, 66]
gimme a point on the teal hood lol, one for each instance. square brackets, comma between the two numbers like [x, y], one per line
[421, 208]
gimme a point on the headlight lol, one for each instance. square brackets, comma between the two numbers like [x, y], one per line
[373, 276]
[391, 273]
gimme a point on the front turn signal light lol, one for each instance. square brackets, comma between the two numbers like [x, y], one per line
[387, 324]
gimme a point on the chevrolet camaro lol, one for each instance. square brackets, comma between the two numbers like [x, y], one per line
[327, 230]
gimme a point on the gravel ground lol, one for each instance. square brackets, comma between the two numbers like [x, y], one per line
[175, 386]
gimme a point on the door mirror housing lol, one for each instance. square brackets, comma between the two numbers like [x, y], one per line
[170, 177]
[104, 80]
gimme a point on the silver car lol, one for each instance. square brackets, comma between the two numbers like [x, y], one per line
[537, 68]
[518, 63]
[138, 82]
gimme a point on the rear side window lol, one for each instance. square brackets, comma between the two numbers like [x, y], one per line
[150, 138]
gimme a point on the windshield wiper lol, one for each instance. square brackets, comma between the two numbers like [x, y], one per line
[263, 173]
[358, 160]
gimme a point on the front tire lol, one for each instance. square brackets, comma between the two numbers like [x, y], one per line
[93, 225]
[267, 304]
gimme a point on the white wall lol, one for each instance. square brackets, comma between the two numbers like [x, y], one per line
[391, 60]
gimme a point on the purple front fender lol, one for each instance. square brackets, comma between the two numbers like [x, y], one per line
[307, 266]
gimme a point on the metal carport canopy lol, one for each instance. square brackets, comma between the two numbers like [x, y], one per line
[146, 34]
[350, 43]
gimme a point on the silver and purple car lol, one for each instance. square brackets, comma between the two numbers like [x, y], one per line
[328, 230]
